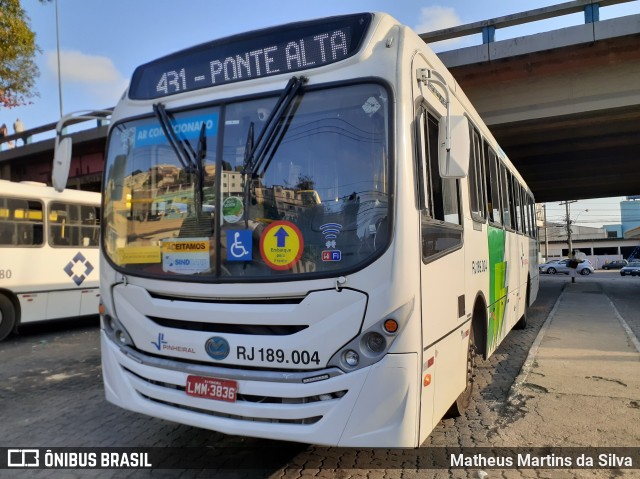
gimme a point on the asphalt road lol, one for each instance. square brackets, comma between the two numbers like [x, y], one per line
[51, 395]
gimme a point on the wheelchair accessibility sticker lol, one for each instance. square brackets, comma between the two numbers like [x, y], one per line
[281, 245]
[239, 245]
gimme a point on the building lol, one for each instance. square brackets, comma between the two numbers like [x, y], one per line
[600, 245]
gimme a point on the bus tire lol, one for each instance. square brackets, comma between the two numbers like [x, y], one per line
[7, 316]
[464, 399]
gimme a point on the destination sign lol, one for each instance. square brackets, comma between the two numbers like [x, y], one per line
[274, 51]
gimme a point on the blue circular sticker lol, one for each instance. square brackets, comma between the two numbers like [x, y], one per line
[217, 347]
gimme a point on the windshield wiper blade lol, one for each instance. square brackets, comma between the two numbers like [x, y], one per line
[200, 156]
[185, 157]
[273, 129]
[192, 161]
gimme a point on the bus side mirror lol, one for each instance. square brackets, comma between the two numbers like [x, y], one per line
[61, 164]
[454, 161]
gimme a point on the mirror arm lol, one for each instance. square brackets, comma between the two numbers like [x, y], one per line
[60, 170]
[80, 115]
[430, 77]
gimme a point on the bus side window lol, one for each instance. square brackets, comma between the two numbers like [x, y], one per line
[492, 183]
[476, 177]
[73, 225]
[506, 209]
[440, 215]
[20, 222]
[6, 234]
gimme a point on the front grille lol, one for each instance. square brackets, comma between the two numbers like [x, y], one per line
[251, 398]
[241, 399]
[288, 300]
[246, 329]
[308, 420]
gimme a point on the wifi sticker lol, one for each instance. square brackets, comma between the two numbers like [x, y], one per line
[330, 231]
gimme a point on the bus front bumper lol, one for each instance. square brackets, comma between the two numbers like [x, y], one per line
[372, 407]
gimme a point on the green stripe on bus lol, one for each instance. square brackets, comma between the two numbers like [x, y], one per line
[497, 289]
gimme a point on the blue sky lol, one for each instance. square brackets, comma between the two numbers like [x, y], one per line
[101, 42]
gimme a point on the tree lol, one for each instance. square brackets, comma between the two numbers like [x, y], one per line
[18, 70]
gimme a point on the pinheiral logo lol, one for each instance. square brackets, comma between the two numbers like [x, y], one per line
[217, 347]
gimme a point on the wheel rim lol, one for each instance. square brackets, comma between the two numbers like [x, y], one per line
[551, 271]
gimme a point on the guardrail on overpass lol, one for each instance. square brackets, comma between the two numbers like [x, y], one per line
[592, 30]
[27, 136]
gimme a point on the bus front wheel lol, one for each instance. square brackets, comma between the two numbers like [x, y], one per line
[7, 316]
[464, 399]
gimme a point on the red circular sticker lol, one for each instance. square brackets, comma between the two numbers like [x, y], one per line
[281, 245]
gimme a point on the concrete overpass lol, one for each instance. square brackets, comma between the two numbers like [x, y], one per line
[564, 105]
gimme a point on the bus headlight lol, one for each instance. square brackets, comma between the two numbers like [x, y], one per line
[371, 345]
[115, 330]
[375, 342]
[351, 358]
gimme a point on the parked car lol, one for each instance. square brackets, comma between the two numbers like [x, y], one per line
[632, 269]
[621, 263]
[584, 268]
[551, 261]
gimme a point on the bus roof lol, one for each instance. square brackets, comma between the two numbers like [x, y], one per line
[32, 189]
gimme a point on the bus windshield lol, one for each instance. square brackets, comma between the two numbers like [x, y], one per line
[317, 205]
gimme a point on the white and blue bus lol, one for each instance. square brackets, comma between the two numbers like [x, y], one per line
[48, 254]
[308, 234]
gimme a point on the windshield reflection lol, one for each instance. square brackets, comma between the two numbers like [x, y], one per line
[318, 205]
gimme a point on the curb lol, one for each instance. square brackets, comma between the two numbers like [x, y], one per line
[514, 391]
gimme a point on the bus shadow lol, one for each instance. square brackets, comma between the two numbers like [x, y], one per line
[41, 329]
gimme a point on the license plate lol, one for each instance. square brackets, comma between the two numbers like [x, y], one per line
[212, 388]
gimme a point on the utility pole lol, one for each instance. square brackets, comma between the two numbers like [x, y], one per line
[59, 69]
[568, 221]
[546, 237]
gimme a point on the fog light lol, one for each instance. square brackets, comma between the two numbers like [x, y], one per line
[375, 342]
[351, 358]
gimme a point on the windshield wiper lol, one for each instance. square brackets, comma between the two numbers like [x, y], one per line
[274, 129]
[200, 156]
[192, 161]
[270, 137]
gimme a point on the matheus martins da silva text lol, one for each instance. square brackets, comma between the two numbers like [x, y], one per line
[546, 461]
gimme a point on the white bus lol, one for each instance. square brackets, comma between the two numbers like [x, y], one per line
[48, 254]
[349, 237]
